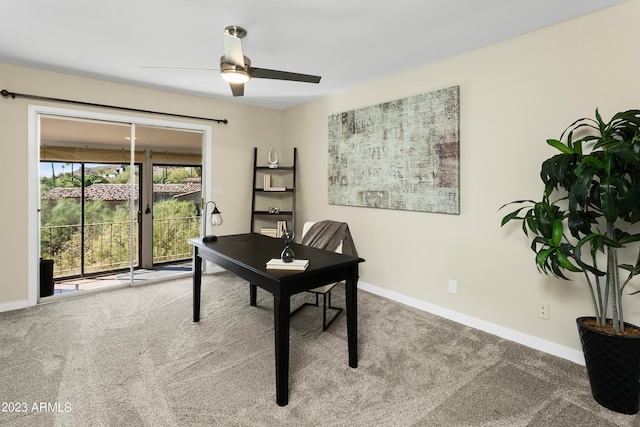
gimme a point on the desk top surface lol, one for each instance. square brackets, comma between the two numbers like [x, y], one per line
[253, 250]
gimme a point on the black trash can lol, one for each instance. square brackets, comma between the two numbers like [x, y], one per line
[46, 277]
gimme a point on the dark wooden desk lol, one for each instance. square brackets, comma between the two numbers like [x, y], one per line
[247, 254]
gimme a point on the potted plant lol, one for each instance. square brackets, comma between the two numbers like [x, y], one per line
[583, 224]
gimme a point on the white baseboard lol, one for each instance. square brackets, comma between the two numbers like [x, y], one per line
[14, 305]
[500, 331]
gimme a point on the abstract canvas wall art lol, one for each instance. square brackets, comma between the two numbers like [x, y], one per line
[401, 154]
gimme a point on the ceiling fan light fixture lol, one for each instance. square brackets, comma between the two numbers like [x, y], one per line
[235, 76]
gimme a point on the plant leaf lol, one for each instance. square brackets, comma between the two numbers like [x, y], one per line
[565, 263]
[608, 198]
[629, 239]
[542, 256]
[560, 146]
[558, 229]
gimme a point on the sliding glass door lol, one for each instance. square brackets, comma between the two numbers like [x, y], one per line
[117, 202]
[89, 208]
[94, 197]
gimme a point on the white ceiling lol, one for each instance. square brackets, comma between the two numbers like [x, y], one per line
[347, 42]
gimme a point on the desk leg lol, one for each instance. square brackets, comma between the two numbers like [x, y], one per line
[253, 295]
[281, 307]
[351, 286]
[197, 284]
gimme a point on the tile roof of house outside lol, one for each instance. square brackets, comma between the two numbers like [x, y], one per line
[118, 192]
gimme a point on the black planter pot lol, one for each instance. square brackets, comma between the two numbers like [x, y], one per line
[613, 366]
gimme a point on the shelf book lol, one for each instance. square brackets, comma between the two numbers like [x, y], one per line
[267, 231]
[296, 264]
[274, 232]
[281, 226]
[266, 185]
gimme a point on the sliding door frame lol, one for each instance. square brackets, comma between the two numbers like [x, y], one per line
[33, 151]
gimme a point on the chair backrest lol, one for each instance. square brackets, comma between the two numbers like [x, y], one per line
[307, 226]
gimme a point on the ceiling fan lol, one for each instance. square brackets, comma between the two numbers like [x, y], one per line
[236, 68]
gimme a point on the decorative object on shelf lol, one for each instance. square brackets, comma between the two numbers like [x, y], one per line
[215, 219]
[287, 254]
[272, 158]
[275, 210]
[586, 218]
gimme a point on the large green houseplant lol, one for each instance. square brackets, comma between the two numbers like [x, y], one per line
[587, 219]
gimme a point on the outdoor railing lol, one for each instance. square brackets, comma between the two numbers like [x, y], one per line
[170, 237]
[107, 245]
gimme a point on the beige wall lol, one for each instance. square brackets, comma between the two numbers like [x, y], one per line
[232, 152]
[514, 95]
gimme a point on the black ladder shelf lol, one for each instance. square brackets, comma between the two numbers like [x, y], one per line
[262, 197]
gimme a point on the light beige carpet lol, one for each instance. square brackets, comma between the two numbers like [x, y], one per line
[134, 357]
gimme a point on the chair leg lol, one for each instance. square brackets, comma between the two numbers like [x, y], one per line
[325, 324]
[324, 311]
[304, 304]
[326, 304]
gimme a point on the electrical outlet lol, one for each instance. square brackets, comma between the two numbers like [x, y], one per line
[543, 311]
[453, 286]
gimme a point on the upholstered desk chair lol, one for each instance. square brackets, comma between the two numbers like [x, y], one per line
[325, 291]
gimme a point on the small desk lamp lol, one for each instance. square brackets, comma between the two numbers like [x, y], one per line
[216, 219]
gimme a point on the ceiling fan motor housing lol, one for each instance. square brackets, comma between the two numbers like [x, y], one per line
[235, 73]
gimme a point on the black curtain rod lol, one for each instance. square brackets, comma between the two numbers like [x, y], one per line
[15, 95]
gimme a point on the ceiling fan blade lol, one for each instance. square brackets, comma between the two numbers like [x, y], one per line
[233, 50]
[263, 73]
[179, 68]
[237, 89]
